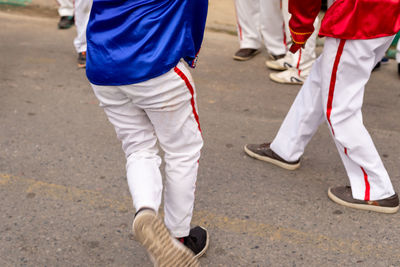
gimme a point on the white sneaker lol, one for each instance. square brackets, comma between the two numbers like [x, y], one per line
[289, 76]
[164, 250]
[283, 63]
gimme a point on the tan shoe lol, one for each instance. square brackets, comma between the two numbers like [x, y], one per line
[163, 249]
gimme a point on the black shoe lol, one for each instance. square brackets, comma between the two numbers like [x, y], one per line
[377, 66]
[197, 241]
[66, 22]
[265, 153]
[398, 68]
[245, 54]
[342, 195]
[82, 60]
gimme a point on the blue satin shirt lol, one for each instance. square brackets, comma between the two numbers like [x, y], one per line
[131, 41]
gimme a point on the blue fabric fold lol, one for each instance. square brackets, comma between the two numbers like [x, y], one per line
[136, 40]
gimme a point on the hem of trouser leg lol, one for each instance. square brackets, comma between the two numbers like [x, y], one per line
[249, 46]
[80, 50]
[361, 195]
[280, 154]
[65, 14]
[179, 233]
[145, 206]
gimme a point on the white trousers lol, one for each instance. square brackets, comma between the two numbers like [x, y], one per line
[398, 52]
[334, 92]
[304, 58]
[66, 8]
[82, 13]
[160, 110]
[258, 22]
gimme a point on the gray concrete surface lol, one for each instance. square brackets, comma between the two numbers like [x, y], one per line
[63, 192]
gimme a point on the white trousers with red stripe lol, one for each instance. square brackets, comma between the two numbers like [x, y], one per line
[334, 92]
[260, 22]
[303, 59]
[161, 110]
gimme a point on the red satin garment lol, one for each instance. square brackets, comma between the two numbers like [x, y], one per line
[345, 19]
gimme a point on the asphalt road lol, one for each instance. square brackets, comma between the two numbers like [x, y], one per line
[63, 191]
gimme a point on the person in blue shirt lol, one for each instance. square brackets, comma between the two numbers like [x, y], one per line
[135, 63]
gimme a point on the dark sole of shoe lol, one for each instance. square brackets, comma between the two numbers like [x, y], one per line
[164, 251]
[245, 58]
[278, 163]
[64, 28]
[380, 209]
[201, 253]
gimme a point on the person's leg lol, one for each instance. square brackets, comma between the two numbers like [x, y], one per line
[296, 67]
[139, 144]
[272, 27]
[66, 12]
[343, 97]
[303, 118]
[66, 8]
[300, 124]
[247, 17]
[82, 13]
[137, 134]
[175, 120]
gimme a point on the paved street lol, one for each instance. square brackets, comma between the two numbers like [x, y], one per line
[63, 191]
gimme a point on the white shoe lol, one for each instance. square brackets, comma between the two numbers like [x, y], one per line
[289, 76]
[283, 63]
[164, 250]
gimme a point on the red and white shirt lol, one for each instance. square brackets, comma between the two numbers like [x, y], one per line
[345, 19]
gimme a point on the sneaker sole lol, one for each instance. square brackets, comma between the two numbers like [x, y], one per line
[163, 249]
[290, 167]
[245, 58]
[361, 206]
[201, 253]
[278, 80]
[274, 67]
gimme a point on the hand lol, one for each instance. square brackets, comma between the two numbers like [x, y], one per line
[294, 47]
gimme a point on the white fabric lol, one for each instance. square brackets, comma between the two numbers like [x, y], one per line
[82, 13]
[304, 58]
[66, 8]
[260, 22]
[398, 52]
[309, 110]
[158, 110]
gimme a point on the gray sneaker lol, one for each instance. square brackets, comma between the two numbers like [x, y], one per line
[163, 249]
[342, 195]
[265, 153]
[244, 54]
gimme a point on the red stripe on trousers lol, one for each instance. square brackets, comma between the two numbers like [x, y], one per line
[367, 186]
[240, 28]
[298, 63]
[333, 83]
[329, 109]
[190, 87]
